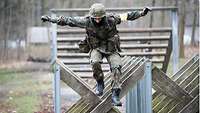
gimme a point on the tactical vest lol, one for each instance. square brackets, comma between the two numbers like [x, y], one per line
[104, 35]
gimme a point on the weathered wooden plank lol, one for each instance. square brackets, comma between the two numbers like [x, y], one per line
[114, 110]
[126, 72]
[190, 77]
[178, 74]
[174, 106]
[74, 106]
[192, 107]
[123, 9]
[168, 103]
[171, 88]
[124, 69]
[179, 105]
[107, 89]
[187, 71]
[133, 38]
[183, 71]
[127, 46]
[78, 55]
[121, 30]
[158, 103]
[134, 65]
[167, 57]
[185, 66]
[192, 83]
[83, 69]
[80, 101]
[86, 62]
[79, 107]
[77, 84]
[129, 82]
[125, 61]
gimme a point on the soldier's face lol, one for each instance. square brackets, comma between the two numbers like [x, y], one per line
[97, 19]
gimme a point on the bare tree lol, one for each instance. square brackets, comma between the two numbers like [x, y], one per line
[195, 11]
[182, 15]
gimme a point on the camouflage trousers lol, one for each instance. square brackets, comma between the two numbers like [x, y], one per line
[114, 60]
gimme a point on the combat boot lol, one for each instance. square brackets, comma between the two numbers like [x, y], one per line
[115, 97]
[100, 88]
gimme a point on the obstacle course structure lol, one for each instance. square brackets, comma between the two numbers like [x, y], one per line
[142, 69]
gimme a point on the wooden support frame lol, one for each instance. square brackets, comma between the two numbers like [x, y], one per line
[122, 31]
[129, 82]
[169, 87]
[77, 84]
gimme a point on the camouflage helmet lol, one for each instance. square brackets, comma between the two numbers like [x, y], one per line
[97, 10]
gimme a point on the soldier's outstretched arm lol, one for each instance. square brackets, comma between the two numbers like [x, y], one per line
[134, 14]
[70, 21]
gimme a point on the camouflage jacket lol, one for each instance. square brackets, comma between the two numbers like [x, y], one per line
[104, 37]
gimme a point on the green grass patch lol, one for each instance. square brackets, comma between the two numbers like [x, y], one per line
[26, 103]
[24, 90]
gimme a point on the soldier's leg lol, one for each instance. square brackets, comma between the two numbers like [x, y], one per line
[96, 60]
[115, 65]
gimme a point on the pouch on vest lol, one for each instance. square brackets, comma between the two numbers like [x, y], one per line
[113, 44]
[84, 45]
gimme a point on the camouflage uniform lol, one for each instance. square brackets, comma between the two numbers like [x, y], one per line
[103, 39]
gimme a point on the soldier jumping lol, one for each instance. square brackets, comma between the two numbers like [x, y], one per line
[102, 41]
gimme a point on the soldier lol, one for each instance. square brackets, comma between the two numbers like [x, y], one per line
[103, 41]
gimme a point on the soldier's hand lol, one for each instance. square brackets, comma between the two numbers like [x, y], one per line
[145, 11]
[45, 18]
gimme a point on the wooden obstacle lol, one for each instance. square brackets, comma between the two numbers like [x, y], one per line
[132, 71]
[172, 94]
[185, 80]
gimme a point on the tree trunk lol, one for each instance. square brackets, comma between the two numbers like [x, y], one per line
[195, 11]
[182, 27]
[163, 14]
[7, 12]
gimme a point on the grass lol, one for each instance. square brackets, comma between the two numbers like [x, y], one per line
[22, 91]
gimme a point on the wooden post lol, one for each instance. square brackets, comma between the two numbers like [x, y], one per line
[139, 99]
[56, 78]
[57, 106]
[175, 40]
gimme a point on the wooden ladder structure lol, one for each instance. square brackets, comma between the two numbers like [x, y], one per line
[138, 49]
[132, 71]
[134, 59]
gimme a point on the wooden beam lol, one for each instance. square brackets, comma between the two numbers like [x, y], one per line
[192, 106]
[168, 8]
[77, 84]
[127, 38]
[124, 30]
[86, 62]
[125, 61]
[123, 46]
[127, 84]
[168, 54]
[78, 55]
[170, 87]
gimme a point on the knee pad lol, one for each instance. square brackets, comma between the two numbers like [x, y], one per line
[116, 70]
[97, 71]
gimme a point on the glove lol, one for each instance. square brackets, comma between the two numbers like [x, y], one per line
[45, 18]
[145, 11]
